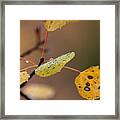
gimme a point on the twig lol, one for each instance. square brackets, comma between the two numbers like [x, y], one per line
[28, 68]
[45, 43]
[73, 69]
[32, 49]
[38, 34]
[38, 43]
[66, 67]
[25, 96]
[23, 84]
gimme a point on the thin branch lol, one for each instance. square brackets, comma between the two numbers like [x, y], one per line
[38, 34]
[21, 85]
[37, 46]
[25, 96]
[38, 43]
[45, 43]
[73, 69]
[33, 66]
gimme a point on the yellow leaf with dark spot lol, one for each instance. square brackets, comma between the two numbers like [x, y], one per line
[24, 77]
[88, 83]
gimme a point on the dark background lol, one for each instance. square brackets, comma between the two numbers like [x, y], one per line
[82, 37]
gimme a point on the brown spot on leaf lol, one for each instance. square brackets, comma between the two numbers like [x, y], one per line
[87, 88]
[90, 77]
[88, 84]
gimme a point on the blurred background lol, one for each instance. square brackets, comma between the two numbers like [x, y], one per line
[82, 37]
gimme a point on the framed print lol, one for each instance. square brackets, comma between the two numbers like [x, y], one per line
[60, 59]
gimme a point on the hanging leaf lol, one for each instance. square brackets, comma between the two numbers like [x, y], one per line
[24, 77]
[54, 66]
[39, 91]
[52, 25]
[88, 83]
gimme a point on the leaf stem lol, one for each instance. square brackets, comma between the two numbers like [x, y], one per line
[73, 69]
[66, 67]
[33, 66]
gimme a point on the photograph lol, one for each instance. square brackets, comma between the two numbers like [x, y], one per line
[59, 59]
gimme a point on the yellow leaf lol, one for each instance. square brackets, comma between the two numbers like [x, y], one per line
[54, 66]
[52, 25]
[88, 83]
[24, 77]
